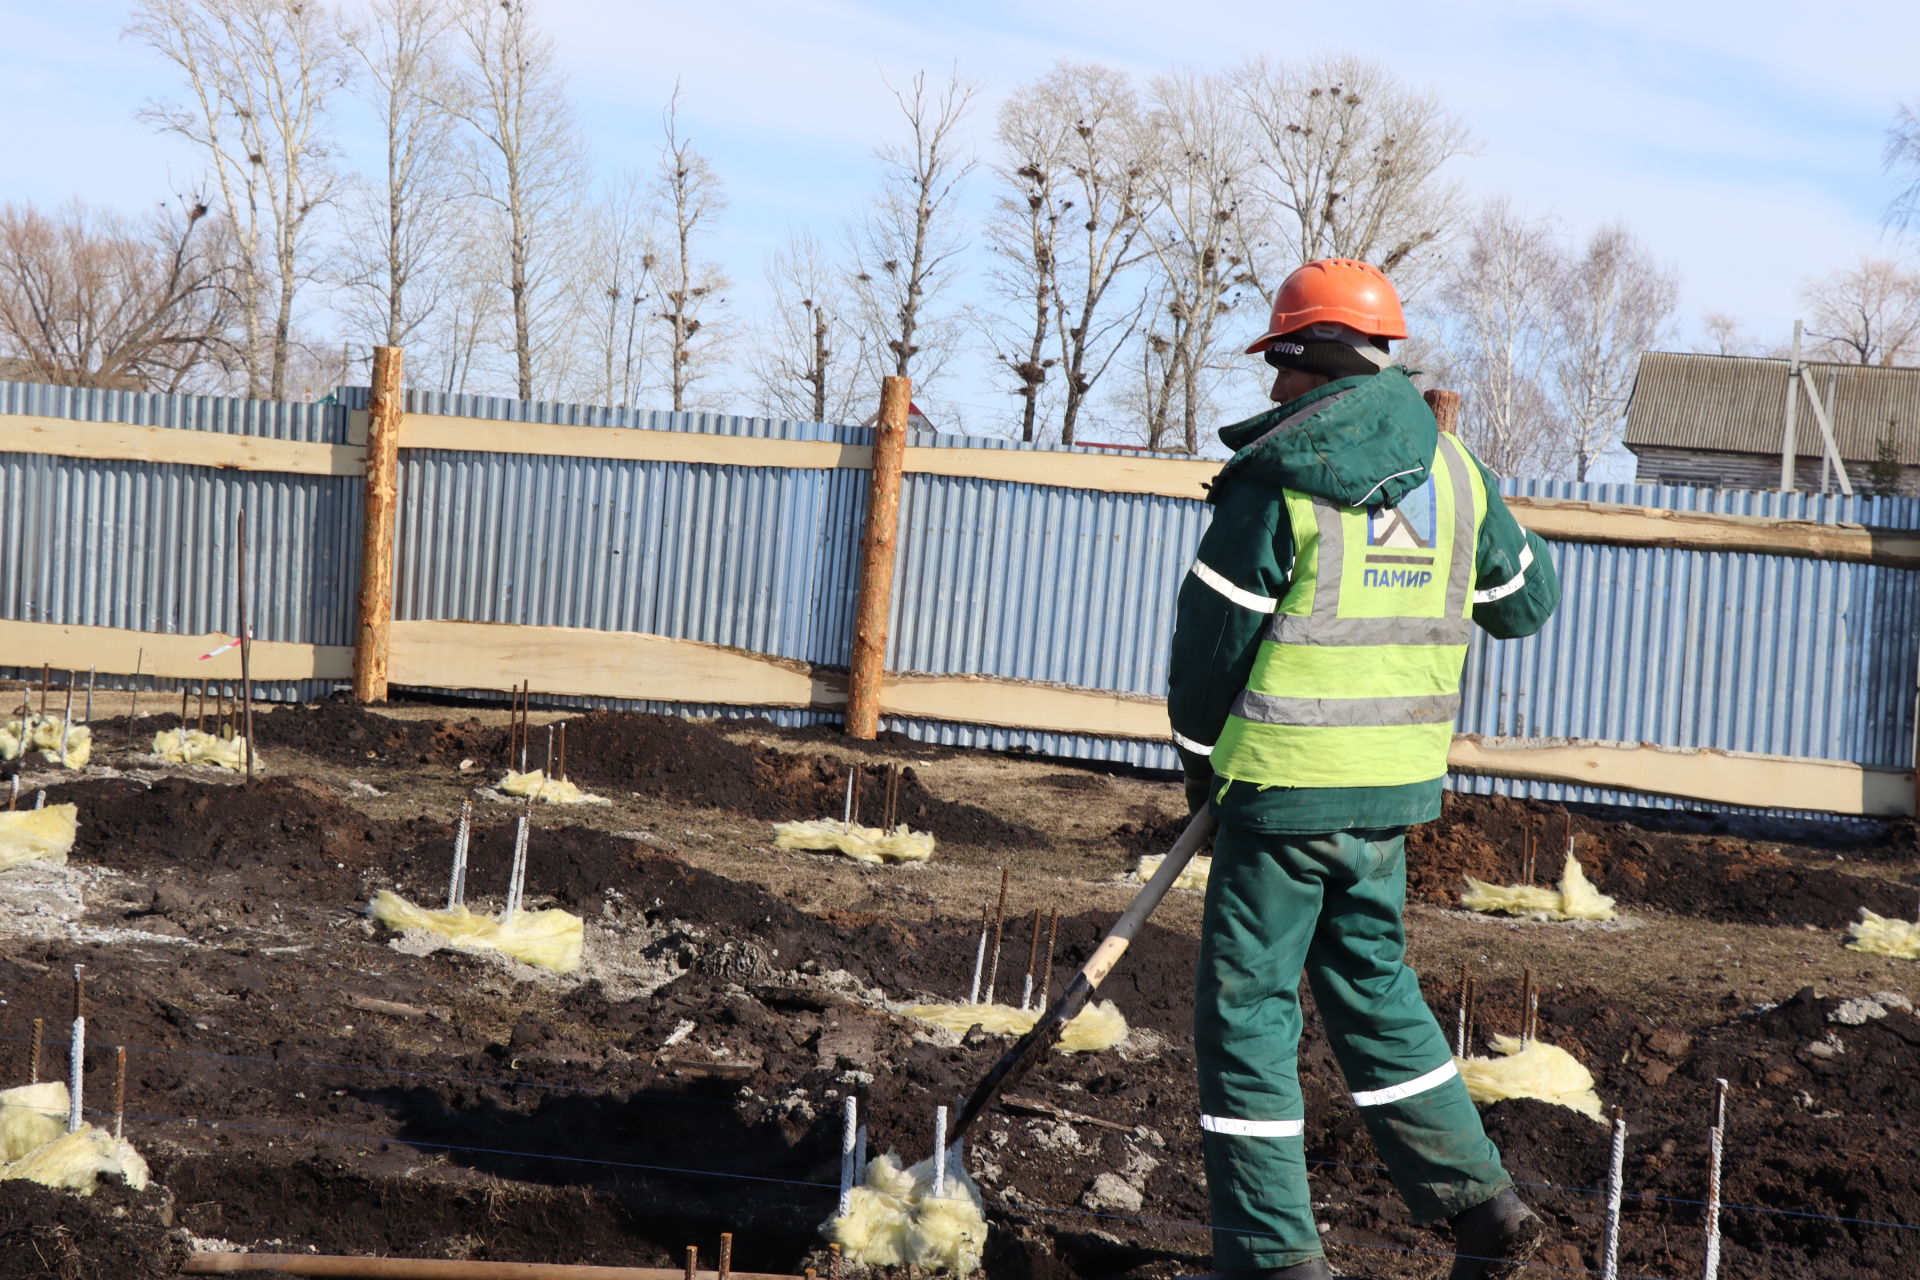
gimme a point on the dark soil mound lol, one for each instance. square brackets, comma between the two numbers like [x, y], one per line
[114, 1232]
[345, 731]
[280, 829]
[1710, 877]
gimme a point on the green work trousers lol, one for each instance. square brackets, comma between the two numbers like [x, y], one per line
[1330, 905]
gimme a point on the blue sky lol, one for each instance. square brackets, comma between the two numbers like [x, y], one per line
[1741, 141]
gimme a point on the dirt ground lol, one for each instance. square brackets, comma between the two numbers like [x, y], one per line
[303, 1080]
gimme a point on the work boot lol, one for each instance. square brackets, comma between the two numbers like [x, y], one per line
[1495, 1239]
[1311, 1269]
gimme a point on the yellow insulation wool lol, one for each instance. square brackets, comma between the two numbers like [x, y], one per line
[1575, 899]
[191, 746]
[547, 790]
[1095, 1028]
[43, 735]
[862, 844]
[553, 939]
[1194, 877]
[893, 1219]
[31, 1116]
[75, 1162]
[1537, 1070]
[46, 834]
[1881, 936]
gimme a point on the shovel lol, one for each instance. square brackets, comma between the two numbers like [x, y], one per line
[1028, 1049]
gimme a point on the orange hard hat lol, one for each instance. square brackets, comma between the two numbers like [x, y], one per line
[1335, 291]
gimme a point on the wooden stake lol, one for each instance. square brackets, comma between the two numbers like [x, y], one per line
[877, 554]
[371, 635]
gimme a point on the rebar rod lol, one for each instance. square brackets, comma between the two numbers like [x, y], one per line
[849, 1133]
[563, 751]
[1460, 1023]
[517, 877]
[1616, 1178]
[133, 713]
[1033, 959]
[66, 720]
[457, 877]
[13, 792]
[200, 710]
[76, 1050]
[939, 1152]
[979, 955]
[246, 642]
[119, 1090]
[33, 1054]
[846, 810]
[87, 717]
[724, 1267]
[999, 923]
[1046, 966]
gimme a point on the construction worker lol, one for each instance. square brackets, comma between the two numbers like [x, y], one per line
[1315, 678]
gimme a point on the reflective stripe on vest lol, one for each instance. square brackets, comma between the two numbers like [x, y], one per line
[1357, 681]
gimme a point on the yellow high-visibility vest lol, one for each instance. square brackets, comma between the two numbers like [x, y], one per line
[1357, 682]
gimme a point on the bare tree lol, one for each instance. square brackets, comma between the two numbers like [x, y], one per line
[92, 299]
[904, 248]
[259, 74]
[1196, 154]
[1867, 315]
[1499, 324]
[399, 236]
[1023, 234]
[1613, 302]
[690, 198]
[1349, 163]
[1070, 227]
[800, 364]
[527, 163]
[618, 282]
[1902, 157]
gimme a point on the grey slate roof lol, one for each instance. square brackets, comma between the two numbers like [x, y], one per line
[1737, 404]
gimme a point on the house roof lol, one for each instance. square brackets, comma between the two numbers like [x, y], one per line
[1737, 404]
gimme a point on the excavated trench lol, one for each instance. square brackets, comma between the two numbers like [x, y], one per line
[296, 1079]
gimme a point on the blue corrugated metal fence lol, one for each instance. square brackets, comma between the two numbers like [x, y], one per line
[1683, 648]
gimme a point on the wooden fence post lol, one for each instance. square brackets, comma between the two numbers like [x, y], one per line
[376, 545]
[877, 542]
[1446, 409]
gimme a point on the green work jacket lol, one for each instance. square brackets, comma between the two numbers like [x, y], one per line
[1364, 445]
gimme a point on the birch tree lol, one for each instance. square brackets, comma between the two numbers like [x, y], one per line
[1348, 164]
[401, 231]
[259, 74]
[1612, 302]
[1070, 224]
[1499, 304]
[905, 248]
[800, 364]
[1197, 153]
[687, 288]
[617, 280]
[526, 163]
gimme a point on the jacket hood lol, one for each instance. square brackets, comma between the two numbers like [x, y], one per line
[1364, 441]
